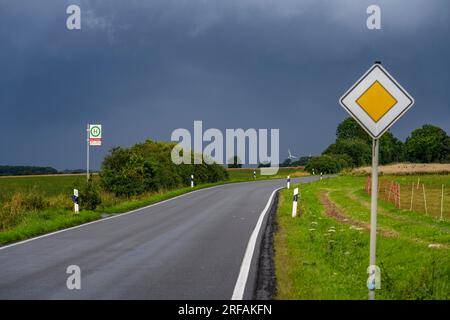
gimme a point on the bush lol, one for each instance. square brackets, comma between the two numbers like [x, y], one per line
[88, 195]
[328, 163]
[148, 167]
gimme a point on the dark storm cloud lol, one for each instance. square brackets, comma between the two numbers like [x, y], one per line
[143, 69]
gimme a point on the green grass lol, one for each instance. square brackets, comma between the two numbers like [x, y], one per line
[63, 184]
[47, 185]
[41, 222]
[38, 222]
[429, 179]
[326, 264]
[53, 219]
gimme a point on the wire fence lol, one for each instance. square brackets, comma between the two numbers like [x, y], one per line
[432, 200]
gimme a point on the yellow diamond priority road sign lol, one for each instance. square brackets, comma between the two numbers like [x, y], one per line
[376, 101]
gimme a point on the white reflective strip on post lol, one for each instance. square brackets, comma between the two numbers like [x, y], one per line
[76, 208]
[294, 203]
[192, 181]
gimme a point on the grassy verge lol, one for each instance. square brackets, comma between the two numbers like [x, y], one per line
[36, 223]
[60, 215]
[321, 257]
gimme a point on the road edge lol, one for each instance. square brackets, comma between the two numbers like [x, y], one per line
[265, 283]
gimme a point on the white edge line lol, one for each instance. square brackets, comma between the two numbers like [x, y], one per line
[112, 217]
[241, 282]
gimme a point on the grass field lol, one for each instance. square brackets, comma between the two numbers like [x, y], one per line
[30, 206]
[47, 185]
[428, 194]
[324, 253]
[53, 185]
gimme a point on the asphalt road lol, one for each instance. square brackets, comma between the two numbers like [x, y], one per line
[190, 247]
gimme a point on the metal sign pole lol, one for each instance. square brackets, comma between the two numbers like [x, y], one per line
[373, 211]
[87, 155]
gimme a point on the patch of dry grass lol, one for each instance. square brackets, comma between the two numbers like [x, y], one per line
[408, 168]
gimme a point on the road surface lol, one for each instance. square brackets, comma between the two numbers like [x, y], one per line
[190, 247]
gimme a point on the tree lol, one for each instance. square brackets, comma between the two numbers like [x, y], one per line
[235, 162]
[264, 164]
[286, 163]
[356, 149]
[328, 163]
[391, 149]
[428, 144]
[350, 129]
[302, 161]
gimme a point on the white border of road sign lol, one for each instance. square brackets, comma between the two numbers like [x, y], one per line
[404, 101]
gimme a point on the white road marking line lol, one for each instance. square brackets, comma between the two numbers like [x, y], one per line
[241, 282]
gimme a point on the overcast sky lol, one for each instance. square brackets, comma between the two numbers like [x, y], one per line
[145, 68]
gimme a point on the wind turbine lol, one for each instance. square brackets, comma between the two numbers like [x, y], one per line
[290, 157]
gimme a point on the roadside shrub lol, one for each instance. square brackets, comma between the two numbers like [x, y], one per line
[147, 167]
[14, 210]
[11, 213]
[329, 163]
[89, 195]
[63, 201]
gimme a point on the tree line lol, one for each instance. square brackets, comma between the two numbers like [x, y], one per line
[25, 170]
[353, 148]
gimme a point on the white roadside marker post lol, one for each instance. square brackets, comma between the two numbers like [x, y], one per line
[294, 203]
[288, 183]
[76, 208]
[321, 176]
[192, 180]
[376, 101]
[254, 174]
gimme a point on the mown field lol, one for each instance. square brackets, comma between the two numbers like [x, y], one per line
[324, 253]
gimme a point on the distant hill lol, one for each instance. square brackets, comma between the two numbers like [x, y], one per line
[25, 170]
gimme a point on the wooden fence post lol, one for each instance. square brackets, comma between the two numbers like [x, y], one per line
[424, 199]
[442, 203]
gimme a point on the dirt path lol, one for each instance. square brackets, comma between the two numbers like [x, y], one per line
[336, 213]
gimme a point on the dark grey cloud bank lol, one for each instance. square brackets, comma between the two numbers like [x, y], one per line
[145, 68]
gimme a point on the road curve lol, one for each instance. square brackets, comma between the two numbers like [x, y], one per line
[190, 247]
